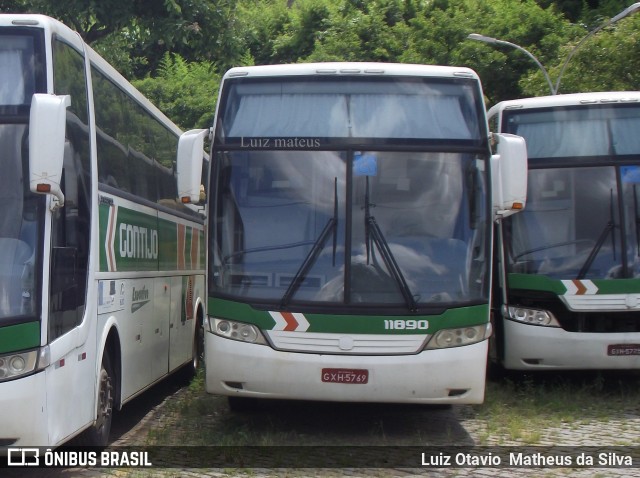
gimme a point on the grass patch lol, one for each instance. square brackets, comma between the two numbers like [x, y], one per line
[520, 409]
[520, 406]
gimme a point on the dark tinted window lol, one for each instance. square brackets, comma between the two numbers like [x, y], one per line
[71, 223]
[136, 153]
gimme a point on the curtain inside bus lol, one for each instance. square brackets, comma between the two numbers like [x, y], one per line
[361, 109]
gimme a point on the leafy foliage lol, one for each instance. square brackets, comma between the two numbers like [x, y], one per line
[180, 47]
[186, 92]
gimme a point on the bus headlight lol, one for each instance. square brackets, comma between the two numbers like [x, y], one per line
[16, 365]
[459, 336]
[231, 329]
[531, 316]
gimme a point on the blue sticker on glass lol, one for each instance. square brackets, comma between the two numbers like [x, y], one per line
[365, 164]
[630, 174]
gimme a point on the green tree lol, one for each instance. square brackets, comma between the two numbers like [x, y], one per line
[439, 36]
[185, 91]
[260, 24]
[135, 35]
[308, 21]
[610, 57]
[365, 31]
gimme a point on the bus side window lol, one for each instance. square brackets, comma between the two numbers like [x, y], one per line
[70, 227]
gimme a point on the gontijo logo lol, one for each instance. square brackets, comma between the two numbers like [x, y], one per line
[131, 241]
[137, 242]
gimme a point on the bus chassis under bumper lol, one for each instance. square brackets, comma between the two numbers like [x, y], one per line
[445, 376]
[530, 347]
[23, 413]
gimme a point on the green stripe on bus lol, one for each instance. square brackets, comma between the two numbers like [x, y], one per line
[535, 282]
[354, 324]
[19, 337]
[137, 241]
[617, 286]
[546, 284]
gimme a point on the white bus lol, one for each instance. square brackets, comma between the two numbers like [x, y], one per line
[570, 263]
[350, 233]
[101, 268]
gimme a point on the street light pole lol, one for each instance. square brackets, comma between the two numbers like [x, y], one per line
[554, 89]
[495, 41]
[624, 13]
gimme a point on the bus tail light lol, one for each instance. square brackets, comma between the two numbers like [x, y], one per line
[234, 330]
[459, 336]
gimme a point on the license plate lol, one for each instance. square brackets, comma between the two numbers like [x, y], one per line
[345, 375]
[620, 350]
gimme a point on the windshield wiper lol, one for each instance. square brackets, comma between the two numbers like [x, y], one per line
[374, 233]
[313, 254]
[240, 252]
[608, 228]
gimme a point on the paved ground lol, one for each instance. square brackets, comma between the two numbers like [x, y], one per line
[612, 439]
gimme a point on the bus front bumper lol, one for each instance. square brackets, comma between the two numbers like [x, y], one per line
[530, 347]
[23, 412]
[446, 376]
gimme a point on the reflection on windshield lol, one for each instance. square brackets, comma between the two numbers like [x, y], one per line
[18, 231]
[17, 76]
[570, 227]
[278, 211]
[597, 130]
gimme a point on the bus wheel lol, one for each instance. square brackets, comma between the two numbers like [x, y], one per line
[190, 370]
[98, 434]
[198, 347]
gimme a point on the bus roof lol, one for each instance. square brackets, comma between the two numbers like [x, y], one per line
[573, 99]
[52, 26]
[352, 68]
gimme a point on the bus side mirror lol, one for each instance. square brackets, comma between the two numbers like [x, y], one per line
[47, 128]
[189, 165]
[509, 168]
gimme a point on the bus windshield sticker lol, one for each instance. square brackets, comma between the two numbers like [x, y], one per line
[365, 164]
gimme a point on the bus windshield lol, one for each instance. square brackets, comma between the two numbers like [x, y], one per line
[20, 76]
[582, 217]
[303, 215]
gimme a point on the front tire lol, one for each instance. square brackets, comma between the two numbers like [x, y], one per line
[197, 355]
[98, 433]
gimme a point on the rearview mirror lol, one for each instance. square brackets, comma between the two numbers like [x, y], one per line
[189, 165]
[47, 129]
[509, 180]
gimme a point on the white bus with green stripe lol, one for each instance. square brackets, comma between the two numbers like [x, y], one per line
[102, 266]
[570, 263]
[350, 233]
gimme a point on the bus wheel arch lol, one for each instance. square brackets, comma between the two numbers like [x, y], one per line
[199, 338]
[112, 350]
[108, 393]
[197, 349]
[188, 370]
